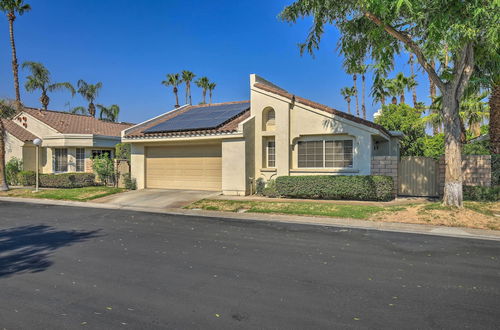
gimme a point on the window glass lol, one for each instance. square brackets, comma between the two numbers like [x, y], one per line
[60, 160]
[80, 159]
[325, 154]
[271, 154]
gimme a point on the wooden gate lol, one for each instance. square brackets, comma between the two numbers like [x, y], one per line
[418, 176]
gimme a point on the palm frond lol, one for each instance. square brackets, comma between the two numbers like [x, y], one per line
[79, 110]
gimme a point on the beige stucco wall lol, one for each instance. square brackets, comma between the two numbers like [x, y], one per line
[299, 122]
[137, 164]
[34, 126]
[234, 180]
[13, 147]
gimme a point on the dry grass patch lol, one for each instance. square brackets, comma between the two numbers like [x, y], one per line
[474, 215]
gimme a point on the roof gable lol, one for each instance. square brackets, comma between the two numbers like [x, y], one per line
[17, 131]
[68, 123]
[318, 106]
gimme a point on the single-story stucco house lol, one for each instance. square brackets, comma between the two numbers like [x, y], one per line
[227, 146]
[69, 141]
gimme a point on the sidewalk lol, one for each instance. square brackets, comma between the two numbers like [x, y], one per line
[306, 220]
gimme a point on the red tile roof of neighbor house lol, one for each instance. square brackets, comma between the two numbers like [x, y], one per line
[17, 131]
[227, 127]
[69, 123]
[319, 106]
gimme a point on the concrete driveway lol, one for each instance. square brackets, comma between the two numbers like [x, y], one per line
[156, 198]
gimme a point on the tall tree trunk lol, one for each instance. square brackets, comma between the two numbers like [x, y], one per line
[3, 180]
[414, 88]
[187, 92]
[210, 97]
[402, 98]
[394, 100]
[495, 119]
[15, 70]
[382, 100]
[363, 108]
[176, 97]
[349, 106]
[190, 97]
[354, 78]
[432, 91]
[453, 194]
[92, 109]
[44, 100]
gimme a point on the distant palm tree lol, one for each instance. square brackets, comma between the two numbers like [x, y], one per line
[413, 76]
[40, 79]
[379, 89]
[187, 77]
[109, 113]
[173, 79]
[362, 70]
[347, 92]
[7, 111]
[203, 83]
[473, 110]
[10, 8]
[211, 87]
[401, 83]
[89, 92]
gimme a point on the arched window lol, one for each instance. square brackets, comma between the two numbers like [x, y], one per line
[268, 119]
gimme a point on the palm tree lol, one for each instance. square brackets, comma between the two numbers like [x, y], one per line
[10, 8]
[413, 76]
[379, 89]
[40, 79]
[109, 113]
[401, 83]
[7, 111]
[203, 83]
[362, 70]
[211, 87]
[473, 110]
[347, 92]
[173, 79]
[187, 77]
[89, 92]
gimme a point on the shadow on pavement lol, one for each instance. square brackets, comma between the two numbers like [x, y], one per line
[27, 249]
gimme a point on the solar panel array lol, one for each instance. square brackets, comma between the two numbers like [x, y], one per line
[200, 118]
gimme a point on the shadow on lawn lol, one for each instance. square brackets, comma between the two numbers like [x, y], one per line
[27, 249]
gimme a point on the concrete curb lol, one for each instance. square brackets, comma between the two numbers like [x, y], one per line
[457, 232]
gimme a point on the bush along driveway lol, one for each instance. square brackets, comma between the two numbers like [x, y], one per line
[481, 215]
[71, 194]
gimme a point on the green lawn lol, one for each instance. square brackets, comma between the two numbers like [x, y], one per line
[298, 208]
[71, 194]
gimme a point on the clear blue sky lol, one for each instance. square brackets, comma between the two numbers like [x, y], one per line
[131, 45]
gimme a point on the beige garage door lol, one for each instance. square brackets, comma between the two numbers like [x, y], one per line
[184, 167]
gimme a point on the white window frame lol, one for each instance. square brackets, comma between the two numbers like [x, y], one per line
[267, 153]
[56, 161]
[77, 159]
[324, 140]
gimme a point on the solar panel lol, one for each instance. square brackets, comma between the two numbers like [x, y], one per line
[197, 118]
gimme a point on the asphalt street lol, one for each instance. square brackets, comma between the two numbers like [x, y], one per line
[73, 268]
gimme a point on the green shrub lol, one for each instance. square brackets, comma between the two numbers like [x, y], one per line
[104, 168]
[129, 182]
[12, 169]
[482, 194]
[26, 178]
[359, 187]
[270, 189]
[260, 184]
[67, 180]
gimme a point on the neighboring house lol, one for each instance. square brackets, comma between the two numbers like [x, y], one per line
[227, 146]
[69, 140]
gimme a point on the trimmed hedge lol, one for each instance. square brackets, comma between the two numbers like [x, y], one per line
[67, 180]
[482, 194]
[26, 178]
[358, 187]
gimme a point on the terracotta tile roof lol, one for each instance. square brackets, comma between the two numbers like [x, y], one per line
[227, 127]
[17, 131]
[68, 123]
[322, 107]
